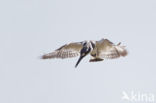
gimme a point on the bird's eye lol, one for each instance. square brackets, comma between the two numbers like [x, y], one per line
[84, 44]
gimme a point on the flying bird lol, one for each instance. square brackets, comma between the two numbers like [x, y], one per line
[99, 50]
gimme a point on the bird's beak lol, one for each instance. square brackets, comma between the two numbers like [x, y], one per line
[81, 57]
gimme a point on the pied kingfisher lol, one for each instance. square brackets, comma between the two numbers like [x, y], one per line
[99, 50]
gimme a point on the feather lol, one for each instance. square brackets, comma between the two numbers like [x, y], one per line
[65, 51]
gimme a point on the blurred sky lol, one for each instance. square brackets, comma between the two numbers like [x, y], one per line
[30, 28]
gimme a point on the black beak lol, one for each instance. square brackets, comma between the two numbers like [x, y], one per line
[81, 57]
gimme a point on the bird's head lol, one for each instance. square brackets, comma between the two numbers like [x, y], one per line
[89, 44]
[84, 51]
[85, 43]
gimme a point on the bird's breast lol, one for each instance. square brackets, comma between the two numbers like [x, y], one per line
[93, 52]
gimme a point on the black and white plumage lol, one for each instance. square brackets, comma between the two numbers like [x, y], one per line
[99, 50]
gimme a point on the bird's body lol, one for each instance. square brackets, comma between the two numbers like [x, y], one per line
[99, 50]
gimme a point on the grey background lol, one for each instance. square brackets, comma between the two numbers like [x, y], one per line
[30, 28]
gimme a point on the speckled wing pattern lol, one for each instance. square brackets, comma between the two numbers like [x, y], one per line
[106, 49]
[66, 51]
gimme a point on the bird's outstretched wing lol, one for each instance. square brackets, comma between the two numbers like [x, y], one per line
[106, 49]
[66, 51]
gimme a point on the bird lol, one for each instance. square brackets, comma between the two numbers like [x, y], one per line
[98, 50]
